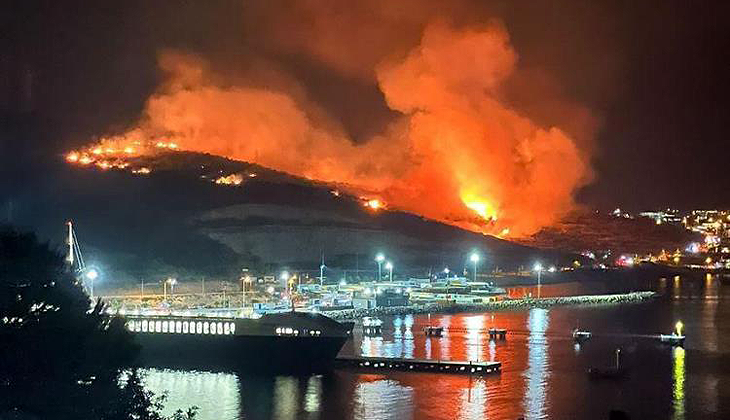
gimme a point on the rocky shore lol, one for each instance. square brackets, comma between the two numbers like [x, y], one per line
[503, 305]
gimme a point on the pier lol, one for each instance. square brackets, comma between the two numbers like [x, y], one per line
[418, 365]
[495, 333]
[501, 305]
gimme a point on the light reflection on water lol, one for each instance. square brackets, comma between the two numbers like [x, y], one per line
[215, 394]
[537, 365]
[678, 377]
[543, 369]
[380, 399]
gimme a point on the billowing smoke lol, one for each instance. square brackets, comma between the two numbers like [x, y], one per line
[456, 151]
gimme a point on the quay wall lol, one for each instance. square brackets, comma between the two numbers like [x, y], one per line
[507, 304]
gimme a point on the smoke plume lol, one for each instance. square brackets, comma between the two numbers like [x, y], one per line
[456, 150]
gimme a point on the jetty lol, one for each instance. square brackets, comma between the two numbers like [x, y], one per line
[495, 333]
[500, 305]
[418, 365]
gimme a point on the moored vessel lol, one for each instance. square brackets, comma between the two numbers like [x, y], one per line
[278, 342]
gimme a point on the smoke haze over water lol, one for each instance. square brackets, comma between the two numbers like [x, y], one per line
[448, 143]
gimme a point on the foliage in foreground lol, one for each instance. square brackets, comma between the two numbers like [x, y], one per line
[61, 357]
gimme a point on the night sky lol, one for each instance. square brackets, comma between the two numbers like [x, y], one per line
[652, 74]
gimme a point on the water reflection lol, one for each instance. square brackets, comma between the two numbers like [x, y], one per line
[474, 335]
[378, 398]
[286, 396]
[537, 364]
[445, 340]
[217, 394]
[678, 377]
[474, 400]
[313, 395]
[371, 346]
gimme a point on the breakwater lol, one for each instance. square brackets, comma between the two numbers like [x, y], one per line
[502, 305]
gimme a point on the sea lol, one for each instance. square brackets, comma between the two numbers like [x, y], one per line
[544, 371]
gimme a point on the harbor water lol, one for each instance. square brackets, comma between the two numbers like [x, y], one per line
[543, 369]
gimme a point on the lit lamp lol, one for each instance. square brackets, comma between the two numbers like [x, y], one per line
[379, 259]
[172, 282]
[92, 274]
[679, 325]
[475, 259]
[538, 269]
[389, 267]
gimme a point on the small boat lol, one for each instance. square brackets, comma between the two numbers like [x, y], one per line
[433, 331]
[372, 326]
[672, 339]
[612, 372]
[581, 336]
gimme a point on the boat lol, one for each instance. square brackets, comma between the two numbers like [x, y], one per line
[372, 326]
[581, 336]
[279, 342]
[433, 331]
[672, 339]
[676, 338]
[612, 372]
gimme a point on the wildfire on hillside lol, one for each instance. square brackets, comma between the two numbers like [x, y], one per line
[455, 152]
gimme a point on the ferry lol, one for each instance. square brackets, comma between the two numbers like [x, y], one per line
[275, 342]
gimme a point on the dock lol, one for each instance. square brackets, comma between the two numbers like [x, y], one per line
[418, 365]
[495, 333]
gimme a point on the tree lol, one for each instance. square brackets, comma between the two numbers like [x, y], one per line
[61, 357]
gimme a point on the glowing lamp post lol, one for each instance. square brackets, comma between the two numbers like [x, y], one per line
[172, 282]
[679, 327]
[475, 259]
[389, 267]
[91, 275]
[379, 259]
[538, 269]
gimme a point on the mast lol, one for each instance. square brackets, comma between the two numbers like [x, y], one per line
[73, 256]
[70, 242]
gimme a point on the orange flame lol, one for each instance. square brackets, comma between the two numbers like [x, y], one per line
[456, 153]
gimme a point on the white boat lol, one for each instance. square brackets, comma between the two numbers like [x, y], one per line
[672, 339]
[581, 336]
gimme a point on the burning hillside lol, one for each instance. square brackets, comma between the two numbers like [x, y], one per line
[455, 151]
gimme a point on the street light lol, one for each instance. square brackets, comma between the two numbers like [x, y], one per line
[538, 268]
[172, 282]
[475, 259]
[379, 259]
[389, 267]
[92, 274]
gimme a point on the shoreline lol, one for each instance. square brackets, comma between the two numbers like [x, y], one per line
[503, 305]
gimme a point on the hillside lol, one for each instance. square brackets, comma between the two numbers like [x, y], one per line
[176, 221]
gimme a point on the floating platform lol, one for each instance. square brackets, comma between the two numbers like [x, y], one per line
[418, 365]
[433, 331]
[500, 333]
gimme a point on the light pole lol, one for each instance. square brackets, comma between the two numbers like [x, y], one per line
[285, 277]
[538, 268]
[172, 282]
[92, 274]
[389, 267]
[379, 259]
[475, 259]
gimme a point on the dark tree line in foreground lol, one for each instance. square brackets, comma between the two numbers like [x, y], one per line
[61, 358]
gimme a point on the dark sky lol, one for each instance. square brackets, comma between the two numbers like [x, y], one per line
[652, 73]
